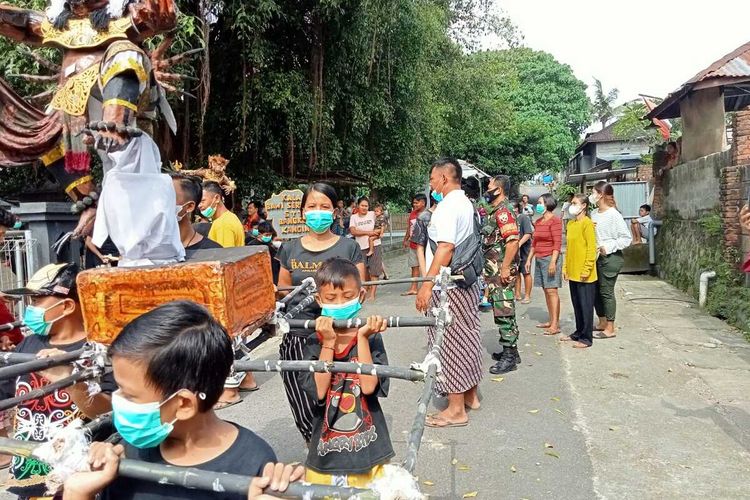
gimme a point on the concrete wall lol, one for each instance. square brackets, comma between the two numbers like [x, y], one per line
[703, 125]
[692, 189]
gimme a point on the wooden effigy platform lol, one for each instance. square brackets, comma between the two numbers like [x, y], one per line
[235, 284]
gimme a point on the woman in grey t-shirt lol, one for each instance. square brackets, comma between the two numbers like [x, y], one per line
[299, 259]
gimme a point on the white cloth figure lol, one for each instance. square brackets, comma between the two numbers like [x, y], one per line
[137, 206]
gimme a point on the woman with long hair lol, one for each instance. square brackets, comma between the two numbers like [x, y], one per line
[301, 258]
[612, 236]
[546, 247]
[579, 268]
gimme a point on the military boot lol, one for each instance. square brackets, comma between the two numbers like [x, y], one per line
[507, 362]
[497, 356]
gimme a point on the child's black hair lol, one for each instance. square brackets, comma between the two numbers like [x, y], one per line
[336, 272]
[266, 227]
[182, 346]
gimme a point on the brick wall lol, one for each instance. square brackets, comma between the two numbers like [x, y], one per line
[645, 173]
[741, 137]
[731, 199]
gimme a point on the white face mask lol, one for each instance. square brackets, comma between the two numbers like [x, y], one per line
[575, 210]
[178, 209]
[594, 198]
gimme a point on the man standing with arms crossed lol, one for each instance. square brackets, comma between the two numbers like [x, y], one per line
[418, 205]
[500, 245]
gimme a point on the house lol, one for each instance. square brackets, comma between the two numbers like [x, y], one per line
[603, 150]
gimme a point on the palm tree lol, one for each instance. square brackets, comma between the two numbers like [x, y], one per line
[603, 102]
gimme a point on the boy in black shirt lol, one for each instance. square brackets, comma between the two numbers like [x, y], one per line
[54, 318]
[170, 365]
[350, 441]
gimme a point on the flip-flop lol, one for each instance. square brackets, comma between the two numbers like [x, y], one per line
[526, 301]
[601, 336]
[223, 405]
[434, 423]
[406, 294]
[249, 389]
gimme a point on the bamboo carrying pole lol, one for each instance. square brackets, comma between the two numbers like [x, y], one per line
[393, 322]
[198, 479]
[385, 371]
[47, 389]
[417, 429]
[38, 364]
[307, 285]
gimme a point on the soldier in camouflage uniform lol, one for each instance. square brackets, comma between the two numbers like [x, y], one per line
[500, 244]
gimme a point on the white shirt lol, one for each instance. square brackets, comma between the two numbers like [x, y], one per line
[644, 222]
[364, 223]
[612, 232]
[452, 221]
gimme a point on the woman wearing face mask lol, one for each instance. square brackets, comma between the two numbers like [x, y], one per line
[300, 259]
[579, 268]
[612, 235]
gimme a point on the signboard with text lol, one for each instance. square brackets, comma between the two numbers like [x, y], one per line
[283, 211]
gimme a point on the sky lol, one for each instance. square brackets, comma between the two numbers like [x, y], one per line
[638, 46]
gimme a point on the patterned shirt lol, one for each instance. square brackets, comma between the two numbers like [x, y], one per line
[499, 229]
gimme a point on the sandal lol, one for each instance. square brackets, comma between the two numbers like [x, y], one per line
[248, 389]
[602, 336]
[526, 301]
[223, 405]
[406, 294]
[439, 422]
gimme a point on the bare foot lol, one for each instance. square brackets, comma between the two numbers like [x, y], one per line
[472, 403]
[580, 345]
[544, 325]
[370, 253]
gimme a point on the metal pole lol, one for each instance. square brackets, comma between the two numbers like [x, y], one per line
[398, 281]
[199, 479]
[385, 371]
[417, 429]
[651, 242]
[47, 389]
[6, 327]
[99, 423]
[393, 322]
[307, 285]
[39, 364]
[299, 307]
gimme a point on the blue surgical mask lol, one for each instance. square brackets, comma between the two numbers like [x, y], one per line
[319, 220]
[140, 423]
[347, 310]
[539, 208]
[33, 319]
[209, 212]
[266, 239]
[17, 225]
[438, 197]
[254, 232]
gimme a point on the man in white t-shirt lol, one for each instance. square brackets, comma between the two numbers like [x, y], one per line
[452, 223]
[639, 225]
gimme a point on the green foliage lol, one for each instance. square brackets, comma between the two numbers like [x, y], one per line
[603, 102]
[564, 191]
[688, 248]
[632, 126]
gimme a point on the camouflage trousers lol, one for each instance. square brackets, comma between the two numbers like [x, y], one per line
[502, 298]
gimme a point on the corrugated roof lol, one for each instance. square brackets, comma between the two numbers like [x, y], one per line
[733, 68]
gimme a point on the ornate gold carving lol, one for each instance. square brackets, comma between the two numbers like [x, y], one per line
[121, 102]
[78, 182]
[53, 155]
[80, 34]
[74, 95]
[121, 66]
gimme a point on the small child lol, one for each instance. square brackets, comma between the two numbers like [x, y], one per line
[380, 224]
[350, 441]
[54, 319]
[164, 412]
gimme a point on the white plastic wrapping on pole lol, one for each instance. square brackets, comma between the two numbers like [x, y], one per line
[703, 287]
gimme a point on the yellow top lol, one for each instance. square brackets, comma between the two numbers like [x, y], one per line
[227, 231]
[580, 255]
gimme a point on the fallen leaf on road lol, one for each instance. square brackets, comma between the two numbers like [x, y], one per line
[558, 410]
[669, 370]
[513, 468]
[539, 353]
[555, 398]
[534, 412]
[552, 454]
[428, 483]
[686, 466]
[463, 467]
[613, 428]
[471, 494]
[454, 461]
[548, 445]
[498, 379]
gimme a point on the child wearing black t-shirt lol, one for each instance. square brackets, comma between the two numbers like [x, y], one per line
[164, 411]
[350, 441]
[54, 318]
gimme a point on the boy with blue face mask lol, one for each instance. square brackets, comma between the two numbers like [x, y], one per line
[164, 412]
[54, 320]
[350, 441]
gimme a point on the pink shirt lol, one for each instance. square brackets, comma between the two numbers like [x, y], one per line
[364, 223]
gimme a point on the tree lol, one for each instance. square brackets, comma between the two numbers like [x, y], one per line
[603, 102]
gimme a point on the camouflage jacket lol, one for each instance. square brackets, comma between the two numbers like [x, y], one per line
[499, 228]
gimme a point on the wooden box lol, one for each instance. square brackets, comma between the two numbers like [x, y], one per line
[235, 284]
